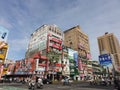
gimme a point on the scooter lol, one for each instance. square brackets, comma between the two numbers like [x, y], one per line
[31, 85]
[103, 83]
[40, 85]
[66, 82]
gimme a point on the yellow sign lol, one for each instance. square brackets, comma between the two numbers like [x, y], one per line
[3, 52]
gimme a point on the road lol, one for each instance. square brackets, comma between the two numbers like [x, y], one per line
[75, 86]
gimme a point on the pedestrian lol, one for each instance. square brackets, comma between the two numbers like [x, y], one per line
[40, 80]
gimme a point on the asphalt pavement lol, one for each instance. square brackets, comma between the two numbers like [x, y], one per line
[57, 86]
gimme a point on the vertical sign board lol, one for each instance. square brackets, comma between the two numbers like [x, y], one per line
[73, 57]
[76, 57]
[105, 59]
[71, 61]
[3, 45]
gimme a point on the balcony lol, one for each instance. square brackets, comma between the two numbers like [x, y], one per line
[84, 65]
[41, 64]
[56, 46]
[56, 40]
[89, 66]
[43, 57]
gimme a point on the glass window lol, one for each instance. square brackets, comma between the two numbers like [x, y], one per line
[1, 51]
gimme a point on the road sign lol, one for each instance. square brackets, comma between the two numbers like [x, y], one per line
[105, 59]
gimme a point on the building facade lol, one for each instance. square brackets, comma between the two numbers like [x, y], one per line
[65, 61]
[108, 43]
[75, 39]
[46, 44]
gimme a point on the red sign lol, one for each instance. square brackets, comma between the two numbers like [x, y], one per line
[56, 40]
[58, 64]
[40, 64]
[80, 65]
[43, 57]
[58, 47]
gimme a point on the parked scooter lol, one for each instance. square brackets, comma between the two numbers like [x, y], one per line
[103, 83]
[40, 83]
[66, 81]
[31, 85]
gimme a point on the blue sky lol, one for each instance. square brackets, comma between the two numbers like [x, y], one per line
[22, 17]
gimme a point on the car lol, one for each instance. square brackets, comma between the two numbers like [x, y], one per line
[47, 81]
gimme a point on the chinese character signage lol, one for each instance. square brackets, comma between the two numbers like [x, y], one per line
[105, 59]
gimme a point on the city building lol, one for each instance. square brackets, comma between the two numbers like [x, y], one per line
[108, 43]
[7, 67]
[45, 47]
[75, 39]
[97, 69]
[65, 61]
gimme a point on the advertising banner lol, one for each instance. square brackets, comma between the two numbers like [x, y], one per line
[73, 57]
[76, 58]
[105, 59]
[80, 67]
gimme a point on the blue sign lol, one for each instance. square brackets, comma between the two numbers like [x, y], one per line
[3, 34]
[76, 58]
[105, 59]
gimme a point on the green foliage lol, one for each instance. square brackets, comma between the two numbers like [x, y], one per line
[53, 56]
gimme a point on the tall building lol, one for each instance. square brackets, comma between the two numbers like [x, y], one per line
[45, 38]
[65, 61]
[108, 43]
[75, 39]
[46, 44]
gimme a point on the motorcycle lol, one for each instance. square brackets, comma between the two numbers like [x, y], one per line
[103, 83]
[40, 84]
[67, 82]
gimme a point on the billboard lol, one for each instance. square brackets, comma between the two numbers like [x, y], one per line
[105, 59]
[3, 34]
[3, 44]
[71, 54]
[73, 57]
[76, 57]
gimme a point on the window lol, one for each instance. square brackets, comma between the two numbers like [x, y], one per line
[1, 51]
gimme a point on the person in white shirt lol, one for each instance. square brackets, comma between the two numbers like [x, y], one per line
[40, 81]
